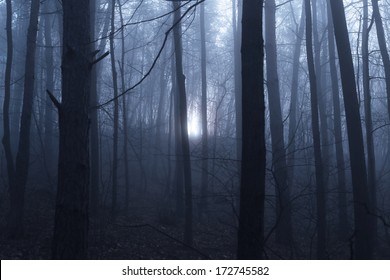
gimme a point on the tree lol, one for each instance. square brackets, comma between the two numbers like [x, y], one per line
[6, 140]
[71, 213]
[283, 211]
[361, 204]
[320, 190]
[182, 108]
[343, 215]
[204, 189]
[367, 109]
[116, 115]
[17, 189]
[252, 188]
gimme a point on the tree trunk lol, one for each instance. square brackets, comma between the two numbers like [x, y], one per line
[252, 189]
[279, 167]
[17, 191]
[204, 187]
[49, 120]
[383, 48]
[116, 117]
[371, 177]
[237, 14]
[71, 216]
[188, 239]
[343, 223]
[7, 97]
[320, 190]
[363, 220]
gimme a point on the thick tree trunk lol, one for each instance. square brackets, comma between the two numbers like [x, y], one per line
[320, 190]
[363, 219]
[71, 216]
[252, 189]
[282, 191]
[188, 238]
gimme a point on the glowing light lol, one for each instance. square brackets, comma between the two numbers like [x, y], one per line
[193, 125]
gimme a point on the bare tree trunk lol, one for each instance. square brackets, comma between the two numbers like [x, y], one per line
[116, 116]
[292, 127]
[237, 14]
[283, 211]
[124, 113]
[343, 222]
[17, 191]
[188, 238]
[383, 48]
[71, 217]
[252, 189]
[7, 97]
[363, 220]
[367, 112]
[320, 190]
[49, 129]
[205, 162]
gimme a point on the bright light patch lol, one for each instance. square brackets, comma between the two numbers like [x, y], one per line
[193, 125]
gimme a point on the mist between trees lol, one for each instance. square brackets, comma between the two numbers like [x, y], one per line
[204, 129]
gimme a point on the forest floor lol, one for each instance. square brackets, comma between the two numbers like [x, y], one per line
[142, 234]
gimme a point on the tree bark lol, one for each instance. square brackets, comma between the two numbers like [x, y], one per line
[204, 188]
[279, 167]
[71, 215]
[252, 189]
[320, 190]
[343, 222]
[116, 116]
[363, 220]
[182, 100]
[17, 191]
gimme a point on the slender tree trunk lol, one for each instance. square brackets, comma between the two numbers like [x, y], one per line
[343, 222]
[205, 162]
[320, 190]
[49, 119]
[17, 191]
[237, 14]
[363, 219]
[383, 48]
[116, 116]
[367, 112]
[71, 216]
[252, 189]
[188, 239]
[283, 211]
[292, 128]
[7, 97]
[94, 141]
[124, 114]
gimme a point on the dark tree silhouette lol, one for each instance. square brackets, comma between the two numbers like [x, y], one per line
[252, 188]
[361, 197]
[71, 213]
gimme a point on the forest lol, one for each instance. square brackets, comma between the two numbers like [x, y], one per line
[197, 129]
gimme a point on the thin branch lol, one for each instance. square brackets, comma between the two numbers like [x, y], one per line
[155, 59]
[100, 58]
[54, 100]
